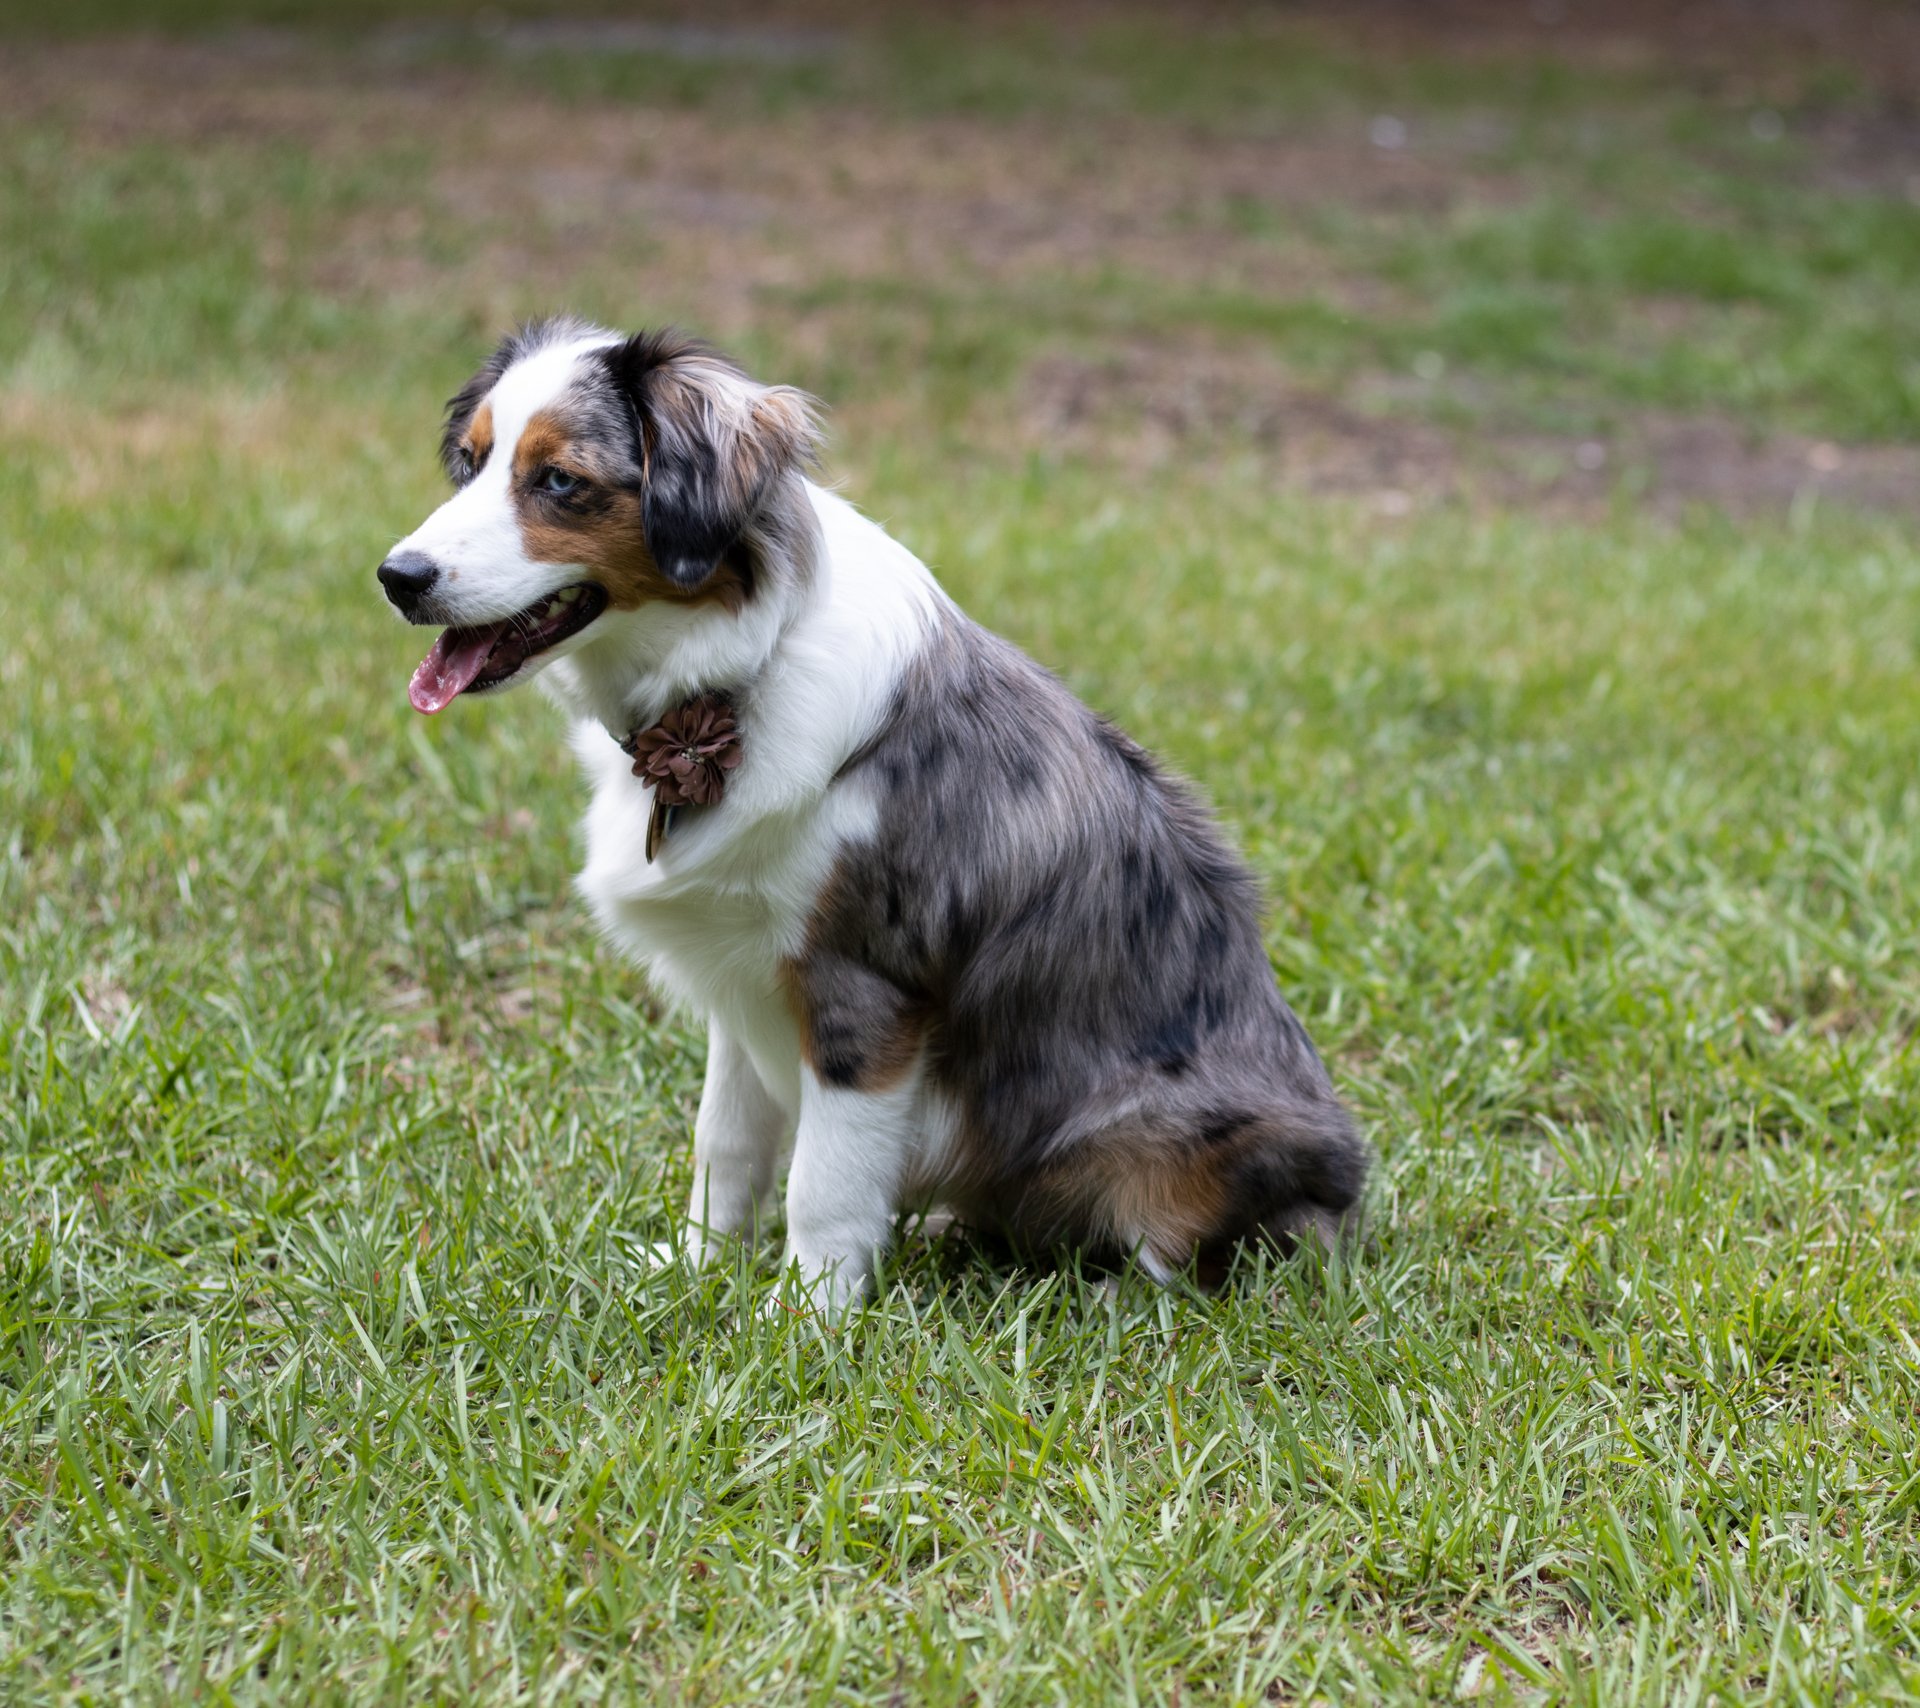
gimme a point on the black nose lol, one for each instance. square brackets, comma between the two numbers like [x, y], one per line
[407, 576]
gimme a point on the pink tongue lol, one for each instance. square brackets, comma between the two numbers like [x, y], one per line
[455, 660]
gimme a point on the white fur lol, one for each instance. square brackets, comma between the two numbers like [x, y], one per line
[738, 1137]
[729, 897]
[475, 536]
[852, 1157]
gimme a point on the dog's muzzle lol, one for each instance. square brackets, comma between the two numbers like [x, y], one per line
[408, 577]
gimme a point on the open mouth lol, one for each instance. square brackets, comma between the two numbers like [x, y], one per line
[469, 661]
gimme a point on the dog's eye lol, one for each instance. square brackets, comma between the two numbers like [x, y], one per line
[558, 482]
[463, 465]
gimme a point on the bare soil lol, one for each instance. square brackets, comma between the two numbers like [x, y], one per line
[725, 218]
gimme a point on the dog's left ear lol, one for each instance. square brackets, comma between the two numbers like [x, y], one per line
[712, 445]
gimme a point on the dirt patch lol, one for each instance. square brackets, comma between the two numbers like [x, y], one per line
[746, 223]
[1149, 405]
[738, 41]
[1757, 45]
[1711, 460]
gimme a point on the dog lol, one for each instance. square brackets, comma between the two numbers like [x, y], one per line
[956, 939]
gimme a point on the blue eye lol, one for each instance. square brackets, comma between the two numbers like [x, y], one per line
[558, 482]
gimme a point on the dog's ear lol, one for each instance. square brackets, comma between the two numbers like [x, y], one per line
[712, 443]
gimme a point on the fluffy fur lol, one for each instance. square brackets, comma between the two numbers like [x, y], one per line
[956, 939]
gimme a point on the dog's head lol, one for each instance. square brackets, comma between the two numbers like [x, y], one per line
[595, 474]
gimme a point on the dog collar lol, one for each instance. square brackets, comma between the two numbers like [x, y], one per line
[684, 759]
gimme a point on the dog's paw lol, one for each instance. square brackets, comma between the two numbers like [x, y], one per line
[826, 1295]
[701, 1247]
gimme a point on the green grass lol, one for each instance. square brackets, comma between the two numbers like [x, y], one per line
[333, 1364]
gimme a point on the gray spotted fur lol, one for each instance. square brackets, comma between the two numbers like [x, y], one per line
[1059, 925]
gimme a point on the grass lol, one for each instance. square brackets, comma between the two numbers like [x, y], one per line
[333, 1364]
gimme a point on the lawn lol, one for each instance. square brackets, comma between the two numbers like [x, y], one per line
[1487, 462]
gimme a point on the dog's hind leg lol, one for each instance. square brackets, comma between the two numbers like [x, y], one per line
[737, 1138]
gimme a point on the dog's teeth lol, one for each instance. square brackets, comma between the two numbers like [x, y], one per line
[554, 608]
[567, 595]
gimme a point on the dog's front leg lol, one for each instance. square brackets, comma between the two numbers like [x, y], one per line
[850, 1158]
[736, 1147]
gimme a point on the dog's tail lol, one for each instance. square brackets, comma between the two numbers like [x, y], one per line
[1289, 1175]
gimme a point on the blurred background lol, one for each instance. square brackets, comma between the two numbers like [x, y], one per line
[1537, 250]
[1478, 440]
[1508, 398]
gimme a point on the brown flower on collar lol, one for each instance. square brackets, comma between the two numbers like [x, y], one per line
[686, 756]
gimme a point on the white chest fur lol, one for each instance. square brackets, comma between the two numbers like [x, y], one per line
[732, 891]
[713, 918]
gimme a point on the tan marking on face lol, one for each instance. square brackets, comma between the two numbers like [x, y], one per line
[609, 539]
[480, 434]
[544, 442]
